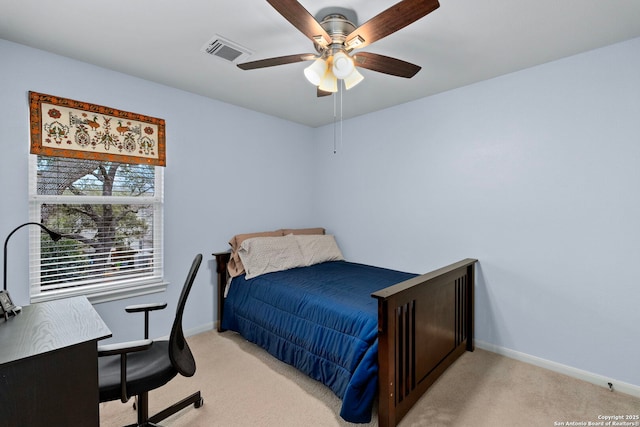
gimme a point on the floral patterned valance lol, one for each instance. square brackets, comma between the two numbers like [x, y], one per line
[63, 127]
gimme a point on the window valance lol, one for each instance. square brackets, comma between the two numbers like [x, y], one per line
[63, 127]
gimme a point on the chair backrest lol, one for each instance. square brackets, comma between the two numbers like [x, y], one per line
[179, 351]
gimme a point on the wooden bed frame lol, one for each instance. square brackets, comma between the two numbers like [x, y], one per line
[424, 325]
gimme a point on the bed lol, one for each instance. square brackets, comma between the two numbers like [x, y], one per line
[366, 332]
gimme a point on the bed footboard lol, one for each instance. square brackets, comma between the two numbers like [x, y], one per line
[424, 325]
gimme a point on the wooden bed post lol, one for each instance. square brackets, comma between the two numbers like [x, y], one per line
[386, 363]
[222, 258]
[471, 278]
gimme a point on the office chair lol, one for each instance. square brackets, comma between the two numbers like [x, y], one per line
[136, 367]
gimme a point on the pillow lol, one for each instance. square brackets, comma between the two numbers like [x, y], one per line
[261, 255]
[318, 248]
[234, 266]
[316, 230]
[237, 240]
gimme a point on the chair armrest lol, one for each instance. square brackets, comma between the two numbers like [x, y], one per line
[125, 347]
[145, 307]
[122, 349]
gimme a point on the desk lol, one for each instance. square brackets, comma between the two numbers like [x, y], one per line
[49, 365]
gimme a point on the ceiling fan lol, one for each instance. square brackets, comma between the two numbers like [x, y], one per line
[335, 37]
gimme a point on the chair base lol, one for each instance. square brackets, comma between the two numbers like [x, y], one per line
[143, 407]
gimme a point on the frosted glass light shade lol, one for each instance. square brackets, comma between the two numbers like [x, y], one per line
[316, 71]
[353, 79]
[329, 83]
[342, 65]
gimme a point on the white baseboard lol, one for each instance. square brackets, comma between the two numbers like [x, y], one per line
[194, 331]
[199, 329]
[590, 377]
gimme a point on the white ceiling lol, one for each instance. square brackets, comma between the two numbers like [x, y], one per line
[462, 42]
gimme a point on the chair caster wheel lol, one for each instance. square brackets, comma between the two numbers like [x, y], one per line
[199, 403]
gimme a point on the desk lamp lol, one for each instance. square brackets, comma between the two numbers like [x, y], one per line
[4, 298]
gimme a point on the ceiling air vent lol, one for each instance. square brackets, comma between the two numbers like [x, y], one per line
[226, 49]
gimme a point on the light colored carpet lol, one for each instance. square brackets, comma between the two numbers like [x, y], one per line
[242, 385]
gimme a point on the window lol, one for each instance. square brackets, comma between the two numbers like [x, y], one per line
[110, 216]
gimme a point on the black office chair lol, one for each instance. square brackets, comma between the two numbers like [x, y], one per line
[136, 367]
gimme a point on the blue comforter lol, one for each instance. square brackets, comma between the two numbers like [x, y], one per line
[320, 319]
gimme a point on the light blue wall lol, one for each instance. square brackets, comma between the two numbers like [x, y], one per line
[536, 174]
[228, 169]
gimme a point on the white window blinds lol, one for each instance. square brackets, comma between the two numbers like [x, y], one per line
[110, 217]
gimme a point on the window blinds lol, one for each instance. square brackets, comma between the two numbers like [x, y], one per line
[110, 217]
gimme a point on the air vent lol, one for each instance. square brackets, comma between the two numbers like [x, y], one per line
[226, 49]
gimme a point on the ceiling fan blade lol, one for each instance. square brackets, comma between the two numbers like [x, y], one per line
[295, 13]
[388, 22]
[385, 64]
[280, 60]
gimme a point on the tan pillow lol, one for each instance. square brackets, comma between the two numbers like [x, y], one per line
[235, 267]
[316, 230]
[261, 255]
[318, 248]
[237, 240]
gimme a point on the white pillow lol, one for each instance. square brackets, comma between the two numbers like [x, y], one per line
[262, 255]
[318, 248]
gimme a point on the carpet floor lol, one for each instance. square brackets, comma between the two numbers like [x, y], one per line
[242, 385]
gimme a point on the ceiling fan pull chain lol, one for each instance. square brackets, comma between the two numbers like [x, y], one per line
[335, 150]
[341, 115]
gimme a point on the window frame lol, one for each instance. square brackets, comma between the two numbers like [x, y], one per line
[100, 292]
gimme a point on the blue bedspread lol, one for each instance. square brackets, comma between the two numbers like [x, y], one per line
[320, 319]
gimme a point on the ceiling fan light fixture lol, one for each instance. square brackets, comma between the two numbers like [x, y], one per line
[353, 79]
[316, 71]
[342, 65]
[329, 82]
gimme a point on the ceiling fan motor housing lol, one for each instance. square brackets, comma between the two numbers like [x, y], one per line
[338, 27]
